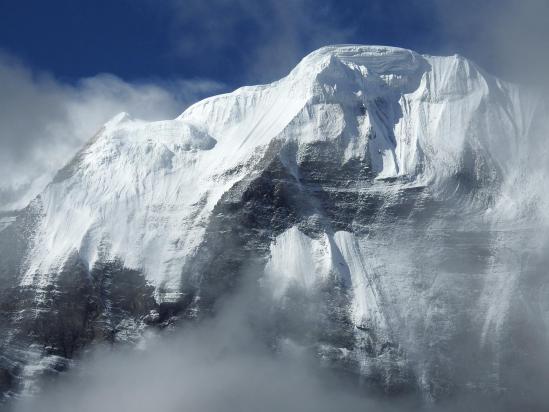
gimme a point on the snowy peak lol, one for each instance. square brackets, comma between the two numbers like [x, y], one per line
[365, 191]
[354, 68]
[393, 65]
[147, 189]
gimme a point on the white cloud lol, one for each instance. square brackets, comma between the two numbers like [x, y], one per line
[44, 121]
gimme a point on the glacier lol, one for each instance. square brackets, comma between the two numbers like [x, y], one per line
[398, 192]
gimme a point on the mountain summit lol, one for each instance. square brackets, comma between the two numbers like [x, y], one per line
[377, 184]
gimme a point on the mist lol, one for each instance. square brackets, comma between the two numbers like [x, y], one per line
[235, 360]
[228, 363]
[508, 37]
[44, 120]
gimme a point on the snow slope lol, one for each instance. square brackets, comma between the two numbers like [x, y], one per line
[143, 191]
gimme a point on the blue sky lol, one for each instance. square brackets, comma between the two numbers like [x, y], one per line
[67, 66]
[231, 41]
[247, 41]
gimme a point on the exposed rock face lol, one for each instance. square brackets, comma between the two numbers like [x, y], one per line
[371, 192]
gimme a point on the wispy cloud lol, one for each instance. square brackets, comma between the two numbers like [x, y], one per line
[44, 121]
[266, 39]
[508, 37]
[222, 364]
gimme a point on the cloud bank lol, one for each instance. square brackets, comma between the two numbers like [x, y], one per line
[44, 121]
[222, 364]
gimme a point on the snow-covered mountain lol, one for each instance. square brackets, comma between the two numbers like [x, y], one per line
[395, 193]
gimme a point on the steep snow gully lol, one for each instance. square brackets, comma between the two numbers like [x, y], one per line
[398, 193]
